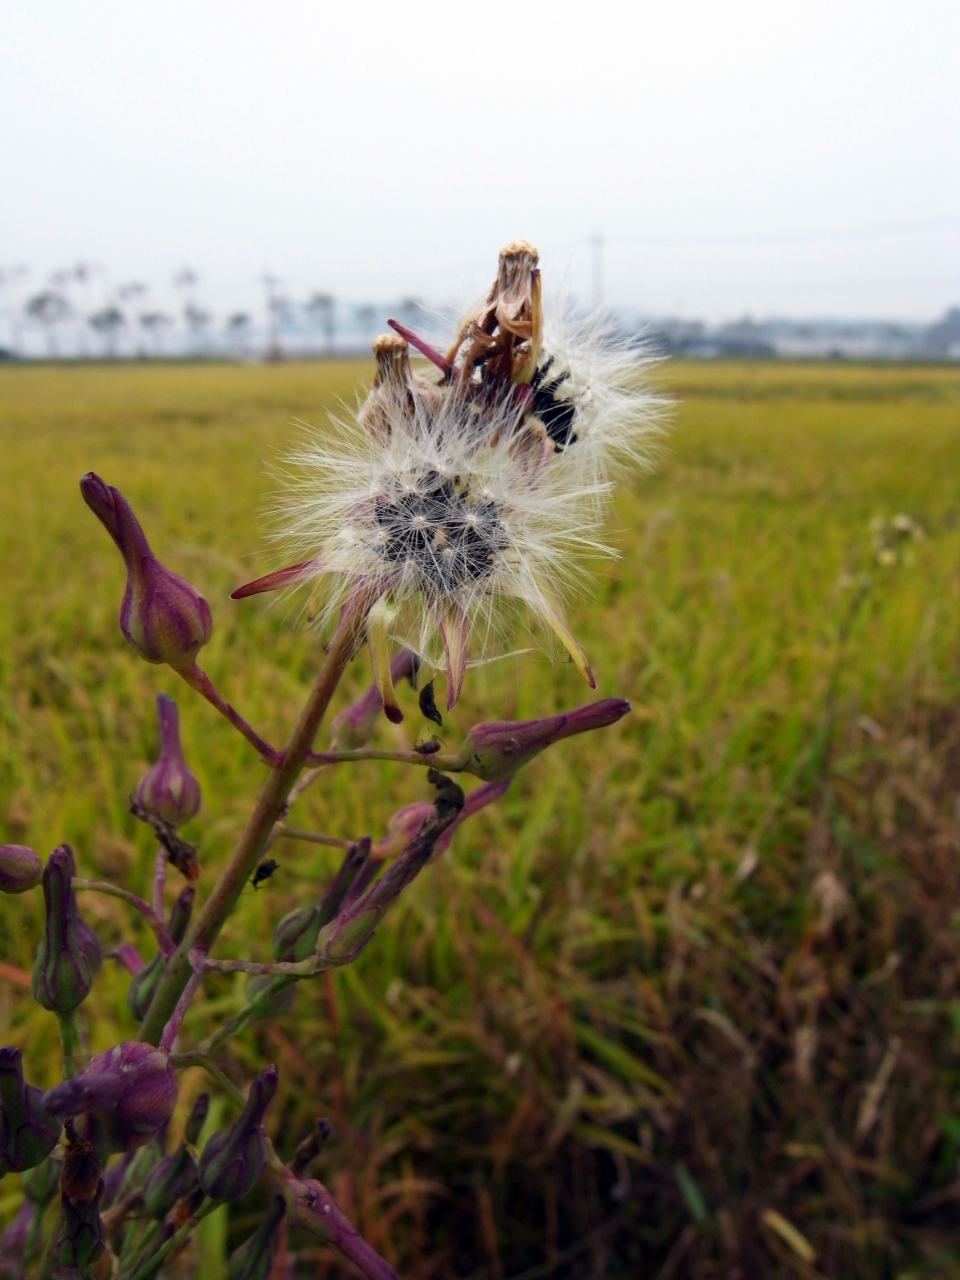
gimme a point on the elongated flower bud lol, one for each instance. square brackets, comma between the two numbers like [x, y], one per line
[14, 1241]
[82, 1236]
[401, 828]
[173, 1177]
[353, 727]
[162, 615]
[296, 935]
[499, 748]
[234, 1157]
[20, 868]
[310, 1205]
[41, 1182]
[69, 953]
[144, 983]
[27, 1133]
[478, 799]
[196, 1119]
[130, 1091]
[254, 1259]
[169, 790]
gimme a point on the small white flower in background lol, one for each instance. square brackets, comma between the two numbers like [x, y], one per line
[474, 494]
[891, 539]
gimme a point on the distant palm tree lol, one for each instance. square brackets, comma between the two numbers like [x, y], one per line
[48, 309]
[366, 317]
[108, 322]
[198, 322]
[237, 327]
[322, 312]
[154, 323]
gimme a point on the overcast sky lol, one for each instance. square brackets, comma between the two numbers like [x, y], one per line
[770, 158]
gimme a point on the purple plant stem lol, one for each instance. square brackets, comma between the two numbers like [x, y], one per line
[159, 880]
[183, 1004]
[164, 941]
[201, 682]
[270, 805]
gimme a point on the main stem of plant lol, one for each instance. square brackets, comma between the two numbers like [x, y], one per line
[269, 807]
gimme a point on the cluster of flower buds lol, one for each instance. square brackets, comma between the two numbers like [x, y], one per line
[169, 790]
[145, 978]
[127, 1094]
[162, 616]
[20, 868]
[69, 953]
[28, 1133]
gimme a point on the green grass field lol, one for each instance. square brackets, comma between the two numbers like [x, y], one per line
[627, 1025]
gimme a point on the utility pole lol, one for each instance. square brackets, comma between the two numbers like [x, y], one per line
[596, 245]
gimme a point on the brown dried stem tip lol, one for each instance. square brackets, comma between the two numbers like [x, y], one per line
[504, 334]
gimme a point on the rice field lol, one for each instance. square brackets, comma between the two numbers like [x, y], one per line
[685, 1002]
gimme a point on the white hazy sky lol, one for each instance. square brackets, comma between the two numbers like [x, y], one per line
[771, 158]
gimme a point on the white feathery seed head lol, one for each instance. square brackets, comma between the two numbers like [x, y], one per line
[470, 497]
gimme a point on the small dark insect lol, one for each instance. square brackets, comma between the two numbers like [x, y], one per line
[429, 748]
[555, 412]
[264, 872]
[428, 705]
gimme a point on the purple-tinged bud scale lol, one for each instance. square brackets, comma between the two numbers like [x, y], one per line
[163, 616]
[353, 727]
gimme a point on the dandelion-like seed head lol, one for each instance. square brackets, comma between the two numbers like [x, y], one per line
[464, 496]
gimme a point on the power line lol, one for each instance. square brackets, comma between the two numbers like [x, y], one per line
[798, 237]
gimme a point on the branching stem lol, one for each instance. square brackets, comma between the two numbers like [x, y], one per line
[205, 928]
[155, 921]
[200, 681]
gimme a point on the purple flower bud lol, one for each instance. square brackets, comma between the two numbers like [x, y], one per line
[296, 935]
[127, 955]
[310, 1205]
[14, 1241]
[82, 1236]
[40, 1183]
[353, 727]
[144, 984]
[69, 952]
[196, 1119]
[169, 790]
[254, 1259]
[401, 828]
[20, 868]
[27, 1133]
[499, 748]
[162, 615]
[129, 1091]
[478, 799]
[234, 1157]
[174, 1176]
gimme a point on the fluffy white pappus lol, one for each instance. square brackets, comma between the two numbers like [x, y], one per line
[619, 418]
[462, 514]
